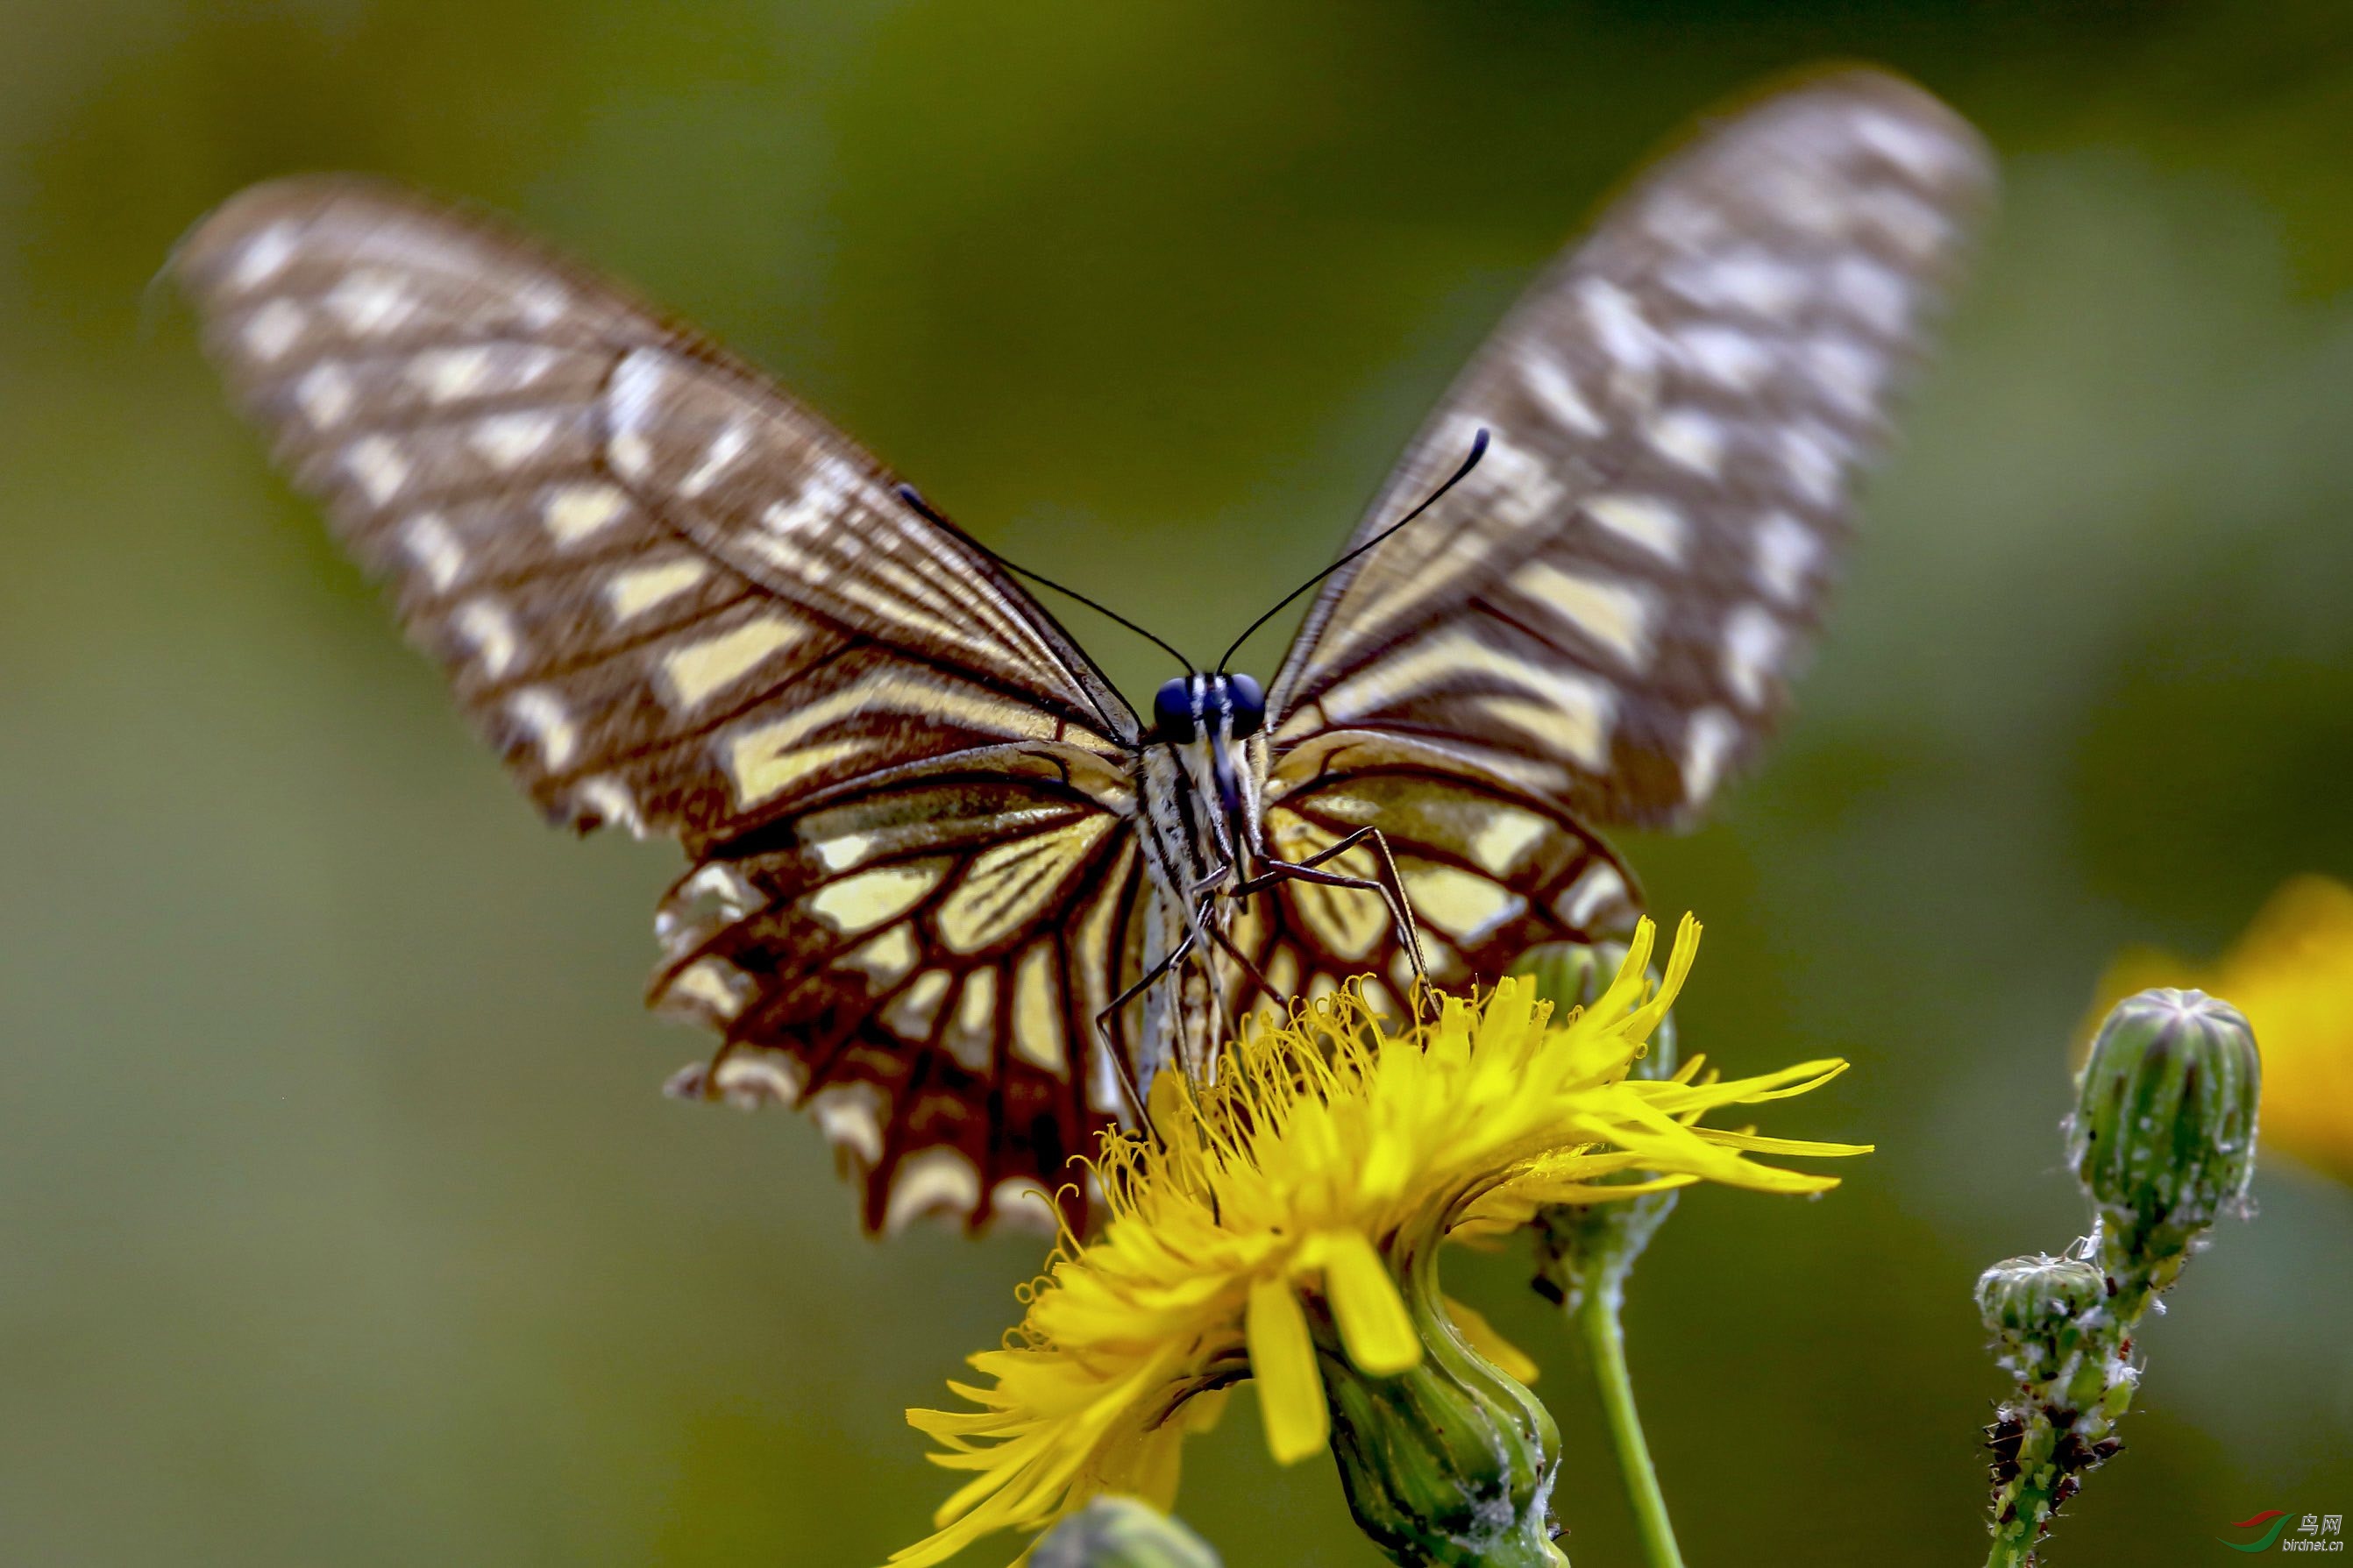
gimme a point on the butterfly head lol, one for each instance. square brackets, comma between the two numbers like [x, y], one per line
[1202, 717]
[1191, 708]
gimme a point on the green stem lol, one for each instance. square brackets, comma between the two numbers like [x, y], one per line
[2023, 1504]
[1605, 1342]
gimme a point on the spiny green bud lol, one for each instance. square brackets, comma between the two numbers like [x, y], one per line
[2163, 1137]
[1121, 1533]
[1450, 1462]
[2035, 1307]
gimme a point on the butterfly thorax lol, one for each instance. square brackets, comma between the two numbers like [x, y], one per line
[1200, 780]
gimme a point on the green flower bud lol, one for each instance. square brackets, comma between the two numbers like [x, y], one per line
[1121, 1533]
[2035, 1307]
[1450, 1462]
[2163, 1137]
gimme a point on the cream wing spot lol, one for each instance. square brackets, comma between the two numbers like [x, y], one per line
[608, 800]
[1464, 905]
[510, 440]
[1753, 645]
[324, 394]
[1707, 741]
[1874, 293]
[1615, 615]
[715, 984]
[850, 1115]
[762, 766]
[1733, 359]
[270, 331]
[379, 466]
[1919, 152]
[1624, 333]
[1645, 520]
[428, 543]
[572, 513]
[1689, 438]
[747, 1081]
[1007, 885]
[911, 1012]
[725, 449]
[1022, 1204]
[487, 627]
[445, 376]
[1596, 888]
[1550, 384]
[1810, 456]
[938, 1180]
[1037, 1013]
[264, 256]
[1787, 552]
[1504, 834]
[885, 959]
[971, 1034]
[855, 905]
[634, 590]
[692, 674]
[843, 851]
[548, 721]
[370, 302]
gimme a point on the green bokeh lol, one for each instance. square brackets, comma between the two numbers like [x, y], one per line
[339, 1220]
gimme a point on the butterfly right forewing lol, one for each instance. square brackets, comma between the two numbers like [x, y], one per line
[1606, 610]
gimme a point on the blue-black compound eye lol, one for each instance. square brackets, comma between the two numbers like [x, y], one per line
[1248, 704]
[1172, 709]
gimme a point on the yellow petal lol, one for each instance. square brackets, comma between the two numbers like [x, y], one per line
[1374, 1323]
[1508, 1358]
[1282, 1359]
[1204, 1411]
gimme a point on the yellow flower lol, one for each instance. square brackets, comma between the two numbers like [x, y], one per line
[1328, 1155]
[2292, 975]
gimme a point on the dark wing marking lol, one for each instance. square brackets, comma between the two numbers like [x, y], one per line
[1605, 611]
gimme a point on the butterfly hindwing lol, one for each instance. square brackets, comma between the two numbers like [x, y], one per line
[1605, 610]
[1488, 872]
[921, 965]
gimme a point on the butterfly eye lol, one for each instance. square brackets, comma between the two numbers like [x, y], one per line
[1172, 709]
[1249, 701]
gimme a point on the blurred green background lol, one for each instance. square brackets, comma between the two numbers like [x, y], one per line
[340, 1220]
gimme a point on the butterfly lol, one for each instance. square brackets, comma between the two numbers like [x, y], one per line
[949, 891]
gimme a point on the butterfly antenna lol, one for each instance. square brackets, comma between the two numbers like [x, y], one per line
[914, 500]
[1478, 451]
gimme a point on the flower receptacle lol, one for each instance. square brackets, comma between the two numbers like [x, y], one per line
[1450, 1461]
[2163, 1135]
[1121, 1533]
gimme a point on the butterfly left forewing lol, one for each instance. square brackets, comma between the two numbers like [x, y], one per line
[678, 601]
[670, 596]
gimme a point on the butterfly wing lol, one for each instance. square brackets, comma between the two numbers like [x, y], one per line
[672, 598]
[1605, 612]
[1488, 870]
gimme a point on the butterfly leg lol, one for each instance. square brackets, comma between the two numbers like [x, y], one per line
[1400, 907]
[1102, 1019]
